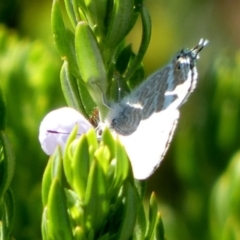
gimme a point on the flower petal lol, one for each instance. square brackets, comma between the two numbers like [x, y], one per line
[56, 127]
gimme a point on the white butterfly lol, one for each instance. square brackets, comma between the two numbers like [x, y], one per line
[145, 120]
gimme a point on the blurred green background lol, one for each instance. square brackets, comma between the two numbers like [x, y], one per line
[198, 183]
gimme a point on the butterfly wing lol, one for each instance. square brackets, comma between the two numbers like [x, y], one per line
[147, 146]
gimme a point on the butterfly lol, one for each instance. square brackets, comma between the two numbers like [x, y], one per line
[146, 119]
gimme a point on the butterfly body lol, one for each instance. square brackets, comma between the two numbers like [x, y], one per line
[146, 119]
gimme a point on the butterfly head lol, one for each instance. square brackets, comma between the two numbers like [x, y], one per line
[189, 57]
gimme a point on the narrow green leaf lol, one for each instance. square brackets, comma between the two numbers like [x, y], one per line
[77, 96]
[46, 182]
[123, 59]
[70, 12]
[64, 39]
[141, 225]
[109, 141]
[56, 170]
[132, 202]
[96, 201]
[70, 88]
[68, 156]
[2, 111]
[102, 154]
[89, 56]
[7, 164]
[97, 14]
[44, 226]
[153, 217]
[146, 36]
[53, 169]
[59, 225]
[90, 62]
[122, 164]
[80, 10]
[75, 208]
[92, 141]
[86, 99]
[80, 166]
[136, 78]
[8, 210]
[122, 20]
[159, 228]
[141, 187]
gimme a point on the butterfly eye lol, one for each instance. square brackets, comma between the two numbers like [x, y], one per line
[114, 122]
[178, 56]
[180, 66]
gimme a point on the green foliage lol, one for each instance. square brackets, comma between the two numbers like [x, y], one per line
[29, 80]
[95, 48]
[225, 203]
[98, 200]
[7, 164]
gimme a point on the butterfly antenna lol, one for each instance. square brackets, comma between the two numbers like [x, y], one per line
[202, 43]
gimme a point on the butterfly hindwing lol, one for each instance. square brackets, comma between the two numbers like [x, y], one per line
[147, 146]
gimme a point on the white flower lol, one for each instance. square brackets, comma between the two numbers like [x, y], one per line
[57, 125]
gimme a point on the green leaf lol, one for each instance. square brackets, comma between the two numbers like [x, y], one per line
[141, 187]
[59, 225]
[146, 36]
[75, 208]
[2, 111]
[122, 165]
[70, 12]
[90, 62]
[109, 141]
[141, 224]
[7, 164]
[92, 141]
[122, 20]
[64, 39]
[123, 59]
[53, 169]
[153, 217]
[7, 207]
[132, 202]
[136, 78]
[96, 14]
[70, 89]
[91, 65]
[96, 201]
[102, 154]
[44, 226]
[159, 228]
[68, 156]
[80, 166]
[89, 57]
[225, 202]
[87, 101]
[46, 182]
[77, 96]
